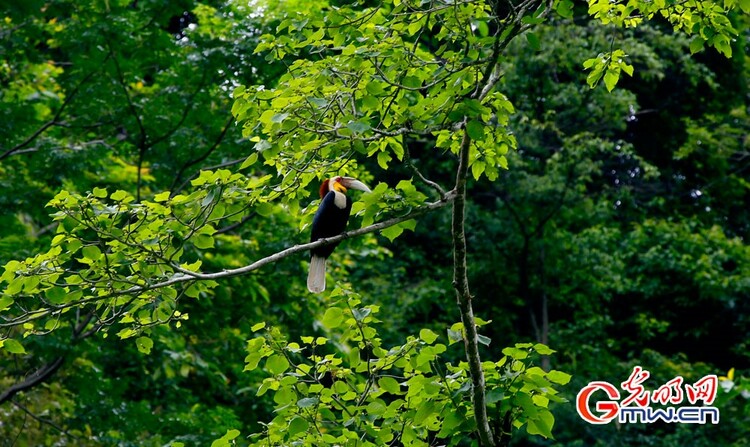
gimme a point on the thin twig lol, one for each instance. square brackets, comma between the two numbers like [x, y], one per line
[143, 143]
[236, 225]
[53, 122]
[430, 183]
[203, 156]
[42, 420]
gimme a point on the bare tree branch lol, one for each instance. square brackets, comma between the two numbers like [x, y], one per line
[53, 122]
[491, 75]
[463, 296]
[39, 376]
[49, 369]
[183, 275]
[190, 275]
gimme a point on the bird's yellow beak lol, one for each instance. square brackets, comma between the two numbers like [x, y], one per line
[337, 186]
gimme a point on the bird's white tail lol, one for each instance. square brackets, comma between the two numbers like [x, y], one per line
[316, 279]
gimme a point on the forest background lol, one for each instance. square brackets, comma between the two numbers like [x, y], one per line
[606, 222]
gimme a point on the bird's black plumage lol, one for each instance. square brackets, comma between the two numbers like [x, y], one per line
[329, 221]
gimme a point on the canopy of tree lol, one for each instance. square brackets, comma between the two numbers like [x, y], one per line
[560, 193]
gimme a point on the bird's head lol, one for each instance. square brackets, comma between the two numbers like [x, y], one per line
[341, 184]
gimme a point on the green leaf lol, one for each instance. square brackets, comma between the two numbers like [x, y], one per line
[451, 421]
[376, 407]
[279, 117]
[428, 336]
[307, 402]
[543, 349]
[375, 88]
[541, 424]
[55, 295]
[589, 63]
[383, 159]
[627, 68]
[126, 333]
[610, 79]
[484, 339]
[249, 161]
[495, 395]
[696, 44]
[454, 336]
[595, 76]
[477, 168]
[162, 197]
[57, 240]
[565, 8]
[319, 102]
[277, 364]
[252, 360]
[193, 291]
[100, 193]
[119, 195]
[144, 344]
[523, 400]
[13, 346]
[475, 129]
[258, 326]
[297, 425]
[255, 344]
[518, 354]
[414, 27]
[723, 45]
[410, 224]
[333, 317]
[203, 241]
[224, 440]
[91, 252]
[390, 385]
[264, 209]
[5, 302]
[558, 377]
[392, 232]
[370, 102]
[540, 401]
[423, 412]
[502, 162]
[533, 40]
[358, 127]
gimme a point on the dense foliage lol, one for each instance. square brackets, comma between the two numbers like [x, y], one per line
[159, 164]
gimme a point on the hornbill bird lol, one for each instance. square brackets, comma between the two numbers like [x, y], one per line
[330, 220]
